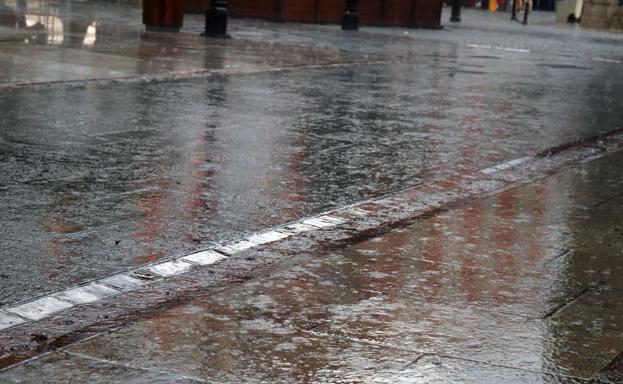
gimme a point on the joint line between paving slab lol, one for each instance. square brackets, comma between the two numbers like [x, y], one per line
[48, 353]
[479, 307]
[608, 200]
[612, 363]
[418, 359]
[134, 367]
[564, 305]
[547, 262]
[357, 340]
[552, 374]
[424, 353]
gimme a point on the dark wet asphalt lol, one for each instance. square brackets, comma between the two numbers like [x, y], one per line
[523, 287]
[99, 178]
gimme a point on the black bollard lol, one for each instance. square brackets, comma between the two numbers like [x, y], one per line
[455, 16]
[525, 15]
[350, 18]
[216, 19]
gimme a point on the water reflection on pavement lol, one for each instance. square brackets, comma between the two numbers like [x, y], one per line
[524, 287]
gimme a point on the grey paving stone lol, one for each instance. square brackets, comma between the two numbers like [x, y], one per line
[63, 368]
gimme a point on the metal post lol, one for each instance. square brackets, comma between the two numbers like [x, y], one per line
[455, 16]
[350, 18]
[525, 15]
[216, 19]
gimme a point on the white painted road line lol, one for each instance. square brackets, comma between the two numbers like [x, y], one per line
[169, 268]
[519, 50]
[112, 285]
[204, 257]
[268, 237]
[325, 221]
[504, 166]
[357, 212]
[86, 294]
[479, 46]
[507, 49]
[40, 308]
[7, 321]
[296, 228]
[607, 60]
[236, 246]
[123, 282]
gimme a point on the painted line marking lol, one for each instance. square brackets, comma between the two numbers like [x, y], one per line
[169, 268]
[504, 166]
[126, 281]
[607, 60]
[235, 247]
[520, 50]
[86, 294]
[507, 49]
[357, 212]
[123, 282]
[40, 308]
[7, 320]
[267, 237]
[296, 228]
[479, 46]
[325, 221]
[204, 257]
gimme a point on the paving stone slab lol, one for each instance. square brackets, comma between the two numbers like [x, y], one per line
[442, 370]
[67, 368]
[192, 341]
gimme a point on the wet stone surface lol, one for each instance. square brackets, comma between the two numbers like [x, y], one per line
[222, 349]
[438, 370]
[99, 178]
[490, 36]
[66, 368]
[75, 41]
[613, 373]
[521, 287]
[435, 302]
[86, 193]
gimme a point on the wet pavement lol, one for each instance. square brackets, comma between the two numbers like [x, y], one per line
[78, 41]
[521, 287]
[289, 120]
